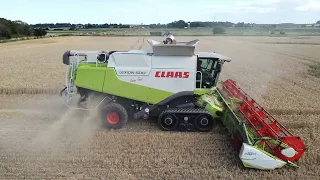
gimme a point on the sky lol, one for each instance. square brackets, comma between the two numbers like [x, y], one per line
[160, 11]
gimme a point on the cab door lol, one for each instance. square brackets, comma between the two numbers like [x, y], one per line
[204, 72]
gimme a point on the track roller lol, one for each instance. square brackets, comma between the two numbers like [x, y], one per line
[168, 122]
[204, 123]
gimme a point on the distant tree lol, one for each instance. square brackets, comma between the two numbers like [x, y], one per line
[177, 24]
[240, 24]
[39, 32]
[318, 22]
[154, 26]
[218, 30]
[5, 32]
[73, 27]
[10, 29]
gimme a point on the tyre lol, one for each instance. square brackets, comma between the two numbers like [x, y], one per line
[114, 116]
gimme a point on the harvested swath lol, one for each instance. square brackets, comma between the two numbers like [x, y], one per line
[294, 111]
[17, 91]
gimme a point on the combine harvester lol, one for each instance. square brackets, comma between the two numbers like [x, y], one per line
[167, 83]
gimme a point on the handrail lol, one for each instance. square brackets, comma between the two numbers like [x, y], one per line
[200, 79]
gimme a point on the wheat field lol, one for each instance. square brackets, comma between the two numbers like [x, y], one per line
[40, 138]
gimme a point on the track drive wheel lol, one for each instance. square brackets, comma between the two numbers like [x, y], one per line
[114, 116]
[168, 122]
[204, 123]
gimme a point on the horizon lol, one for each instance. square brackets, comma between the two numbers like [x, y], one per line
[155, 11]
[136, 24]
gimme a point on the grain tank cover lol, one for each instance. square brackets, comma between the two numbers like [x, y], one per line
[178, 49]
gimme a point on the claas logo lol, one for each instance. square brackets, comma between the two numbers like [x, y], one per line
[171, 74]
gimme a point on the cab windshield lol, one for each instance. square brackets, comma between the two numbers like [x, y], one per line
[206, 64]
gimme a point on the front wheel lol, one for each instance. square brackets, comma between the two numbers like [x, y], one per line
[204, 123]
[114, 116]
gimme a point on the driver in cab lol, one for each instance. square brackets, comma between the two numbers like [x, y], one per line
[170, 40]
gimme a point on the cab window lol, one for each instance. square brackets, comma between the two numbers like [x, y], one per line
[206, 64]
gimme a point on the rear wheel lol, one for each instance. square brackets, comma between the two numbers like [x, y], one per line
[204, 123]
[114, 116]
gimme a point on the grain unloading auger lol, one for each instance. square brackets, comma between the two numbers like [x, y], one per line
[180, 88]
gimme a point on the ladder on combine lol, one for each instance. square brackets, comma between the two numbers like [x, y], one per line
[70, 88]
[266, 127]
[70, 74]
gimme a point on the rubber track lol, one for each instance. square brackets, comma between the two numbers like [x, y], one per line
[185, 111]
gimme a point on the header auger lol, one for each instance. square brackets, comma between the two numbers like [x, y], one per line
[179, 88]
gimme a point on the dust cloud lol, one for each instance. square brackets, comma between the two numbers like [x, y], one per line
[73, 129]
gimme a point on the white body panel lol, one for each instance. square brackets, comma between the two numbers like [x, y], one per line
[174, 62]
[173, 74]
[171, 67]
[257, 159]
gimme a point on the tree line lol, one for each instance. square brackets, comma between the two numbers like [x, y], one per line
[75, 26]
[174, 24]
[15, 29]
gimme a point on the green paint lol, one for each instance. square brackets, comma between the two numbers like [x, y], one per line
[90, 78]
[201, 91]
[231, 120]
[210, 102]
[92, 64]
[98, 77]
[114, 86]
[247, 165]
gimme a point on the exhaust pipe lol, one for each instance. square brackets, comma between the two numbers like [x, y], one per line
[65, 58]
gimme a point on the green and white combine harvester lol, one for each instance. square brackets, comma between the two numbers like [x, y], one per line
[166, 83]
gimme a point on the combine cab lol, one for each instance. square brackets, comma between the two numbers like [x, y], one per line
[180, 88]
